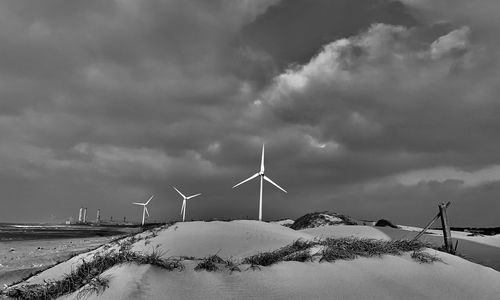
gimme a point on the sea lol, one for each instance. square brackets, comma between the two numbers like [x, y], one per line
[27, 231]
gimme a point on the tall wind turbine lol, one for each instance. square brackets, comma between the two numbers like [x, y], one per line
[262, 178]
[184, 202]
[145, 209]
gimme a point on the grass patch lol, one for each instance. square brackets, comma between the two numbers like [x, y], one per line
[87, 275]
[210, 263]
[96, 285]
[424, 257]
[293, 252]
[351, 248]
[316, 219]
[340, 249]
[232, 266]
[215, 263]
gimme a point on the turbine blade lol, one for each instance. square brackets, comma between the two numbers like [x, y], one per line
[262, 160]
[179, 192]
[137, 203]
[272, 182]
[147, 212]
[149, 200]
[192, 196]
[248, 179]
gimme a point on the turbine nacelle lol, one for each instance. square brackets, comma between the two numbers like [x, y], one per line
[145, 208]
[184, 202]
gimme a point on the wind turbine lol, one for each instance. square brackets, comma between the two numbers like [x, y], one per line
[184, 202]
[145, 209]
[262, 178]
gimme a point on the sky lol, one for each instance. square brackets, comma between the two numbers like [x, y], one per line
[371, 108]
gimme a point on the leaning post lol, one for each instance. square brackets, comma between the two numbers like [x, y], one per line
[448, 244]
[429, 224]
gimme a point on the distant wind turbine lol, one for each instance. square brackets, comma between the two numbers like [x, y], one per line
[184, 202]
[262, 178]
[145, 209]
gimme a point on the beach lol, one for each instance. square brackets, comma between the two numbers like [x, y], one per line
[27, 249]
[19, 259]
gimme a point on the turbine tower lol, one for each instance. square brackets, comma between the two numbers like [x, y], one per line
[145, 209]
[184, 202]
[262, 178]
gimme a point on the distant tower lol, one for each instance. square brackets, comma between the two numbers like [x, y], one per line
[80, 215]
[98, 219]
[124, 219]
[85, 215]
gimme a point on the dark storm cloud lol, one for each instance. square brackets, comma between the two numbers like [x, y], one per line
[397, 98]
[105, 103]
[294, 30]
[120, 92]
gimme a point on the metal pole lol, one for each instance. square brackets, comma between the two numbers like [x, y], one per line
[184, 211]
[260, 199]
[143, 215]
[448, 244]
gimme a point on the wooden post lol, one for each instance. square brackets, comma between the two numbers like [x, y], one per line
[429, 224]
[448, 244]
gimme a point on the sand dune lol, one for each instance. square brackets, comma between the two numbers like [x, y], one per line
[480, 249]
[338, 231]
[237, 238]
[389, 277]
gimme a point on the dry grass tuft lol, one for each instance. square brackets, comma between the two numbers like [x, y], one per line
[210, 263]
[289, 252]
[351, 248]
[424, 257]
[96, 285]
[316, 219]
[337, 249]
[88, 274]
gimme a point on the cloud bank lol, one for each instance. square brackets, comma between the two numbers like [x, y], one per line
[375, 109]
